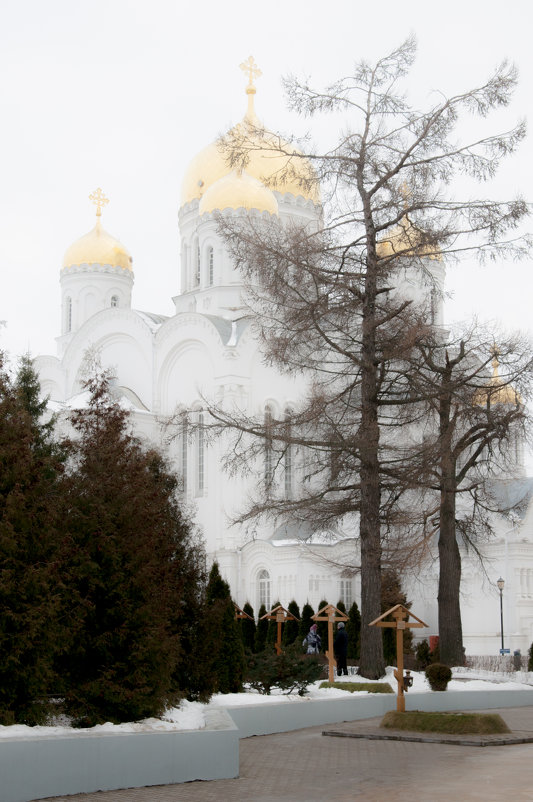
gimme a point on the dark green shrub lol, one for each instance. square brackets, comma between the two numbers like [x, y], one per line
[306, 621]
[322, 627]
[423, 655]
[261, 630]
[227, 651]
[353, 628]
[438, 676]
[290, 628]
[530, 658]
[248, 628]
[290, 671]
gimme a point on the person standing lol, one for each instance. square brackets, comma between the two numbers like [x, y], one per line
[340, 649]
[312, 641]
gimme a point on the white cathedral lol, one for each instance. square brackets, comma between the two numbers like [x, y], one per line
[207, 348]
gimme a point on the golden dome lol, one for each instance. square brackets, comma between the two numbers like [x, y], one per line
[265, 162]
[98, 247]
[238, 190]
[497, 392]
[404, 239]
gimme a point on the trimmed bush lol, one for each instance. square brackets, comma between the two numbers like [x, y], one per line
[438, 676]
[530, 658]
[289, 671]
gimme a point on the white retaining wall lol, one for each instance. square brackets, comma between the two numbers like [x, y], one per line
[33, 768]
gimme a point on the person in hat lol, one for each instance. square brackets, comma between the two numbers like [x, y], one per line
[312, 641]
[340, 649]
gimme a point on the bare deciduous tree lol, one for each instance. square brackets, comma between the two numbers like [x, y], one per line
[346, 303]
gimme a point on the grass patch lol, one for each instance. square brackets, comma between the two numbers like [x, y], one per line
[450, 723]
[369, 687]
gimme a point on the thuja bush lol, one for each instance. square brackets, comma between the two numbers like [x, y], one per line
[530, 658]
[290, 671]
[423, 654]
[438, 676]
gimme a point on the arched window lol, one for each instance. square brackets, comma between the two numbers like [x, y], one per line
[346, 591]
[288, 454]
[197, 267]
[211, 266]
[264, 588]
[114, 301]
[200, 454]
[269, 457]
[68, 315]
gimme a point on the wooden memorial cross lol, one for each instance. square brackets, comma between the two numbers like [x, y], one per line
[280, 615]
[332, 615]
[401, 622]
[239, 613]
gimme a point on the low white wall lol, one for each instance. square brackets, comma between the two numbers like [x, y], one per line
[33, 768]
[286, 716]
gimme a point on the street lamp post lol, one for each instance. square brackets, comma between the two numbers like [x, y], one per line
[500, 583]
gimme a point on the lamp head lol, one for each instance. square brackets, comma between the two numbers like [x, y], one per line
[500, 583]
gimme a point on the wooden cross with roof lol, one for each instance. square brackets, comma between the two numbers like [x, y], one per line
[401, 622]
[332, 615]
[280, 615]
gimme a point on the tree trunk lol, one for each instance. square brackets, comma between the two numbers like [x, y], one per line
[450, 628]
[372, 664]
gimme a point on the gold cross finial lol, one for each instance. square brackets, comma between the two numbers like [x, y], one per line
[99, 200]
[495, 351]
[249, 66]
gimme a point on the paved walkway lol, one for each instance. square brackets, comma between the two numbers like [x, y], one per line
[304, 766]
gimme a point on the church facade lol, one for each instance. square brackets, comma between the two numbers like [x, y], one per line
[207, 348]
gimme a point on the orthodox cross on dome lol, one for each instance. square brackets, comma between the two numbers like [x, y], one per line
[249, 66]
[99, 200]
[495, 351]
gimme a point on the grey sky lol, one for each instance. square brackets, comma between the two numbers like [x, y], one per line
[122, 94]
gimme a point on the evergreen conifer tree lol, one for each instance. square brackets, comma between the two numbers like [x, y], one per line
[353, 628]
[322, 628]
[132, 564]
[227, 650]
[248, 628]
[261, 631]
[306, 621]
[291, 628]
[272, 630]
[30, 550]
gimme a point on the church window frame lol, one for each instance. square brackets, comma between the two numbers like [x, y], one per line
[268, 456]
[197, 266]
[184, 455]
[288, 457]
[68, 315]
[346, 591]
[264, 583]
[200, 453]
[211, 265]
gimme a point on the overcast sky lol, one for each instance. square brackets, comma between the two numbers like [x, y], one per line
[121, 94]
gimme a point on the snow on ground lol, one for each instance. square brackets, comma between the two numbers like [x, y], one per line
[191, 715]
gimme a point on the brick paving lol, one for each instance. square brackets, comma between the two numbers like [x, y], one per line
[304, 766]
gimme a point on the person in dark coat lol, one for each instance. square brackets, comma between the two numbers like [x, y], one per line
[340, 649]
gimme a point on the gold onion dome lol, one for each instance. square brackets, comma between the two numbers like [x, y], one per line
[404, 240]
[497, 391]
[238, 190]
[97, 246]
[265, 163]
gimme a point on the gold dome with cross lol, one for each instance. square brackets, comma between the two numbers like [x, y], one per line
[97, 246]
[279, 171]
